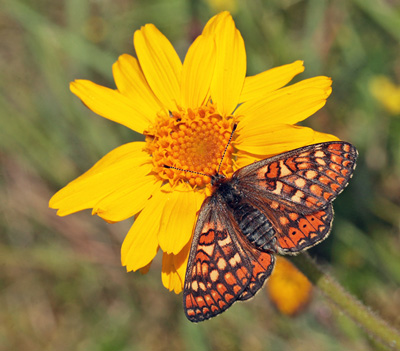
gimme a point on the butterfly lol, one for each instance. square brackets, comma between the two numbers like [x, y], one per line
[281, 204]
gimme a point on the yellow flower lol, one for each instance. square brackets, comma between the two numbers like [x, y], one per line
[387, 93]
[220, 5]
[288, 288]
[186, 112]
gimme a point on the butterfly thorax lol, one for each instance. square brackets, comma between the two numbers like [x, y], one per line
[252, 222]
[229, 191]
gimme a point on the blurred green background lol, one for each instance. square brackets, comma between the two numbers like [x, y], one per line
[61, 283]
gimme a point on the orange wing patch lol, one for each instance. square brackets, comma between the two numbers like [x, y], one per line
[304, 231]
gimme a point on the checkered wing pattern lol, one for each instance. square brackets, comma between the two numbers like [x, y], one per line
[278, 205]
[304, 180]
[294, 191]
[222, 266]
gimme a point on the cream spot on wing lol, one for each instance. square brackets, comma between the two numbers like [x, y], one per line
[214, 275]
[208, 249]
[284, 171]
[300, 182]
[221, 264]
[225, 242]
[210, 226]
[298, 196]
[311, 174]
[262, 171]
[278, 189]
[235, 260]
[195, 286]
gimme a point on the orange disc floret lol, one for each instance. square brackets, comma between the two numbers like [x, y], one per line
[191, 140]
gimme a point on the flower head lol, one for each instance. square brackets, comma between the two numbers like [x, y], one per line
[186, 113]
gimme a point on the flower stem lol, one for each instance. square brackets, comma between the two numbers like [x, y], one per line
[359, 313]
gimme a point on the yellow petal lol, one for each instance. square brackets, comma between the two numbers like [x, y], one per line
[160, 64]
[131, 82]
[114, 170]
[169, 276]
[174, 266]
[319, 137]
[197, 73]
[174, 269]
[246, 158]
[111, 104]
[255, 87]
[212, 24]
[287, 105]
[141, 243]
[181, 259]
[276, 139]
[288, 288]
[130, 197]
[179, 217]
[230, 66]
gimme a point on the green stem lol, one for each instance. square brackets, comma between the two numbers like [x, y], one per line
[347, 303]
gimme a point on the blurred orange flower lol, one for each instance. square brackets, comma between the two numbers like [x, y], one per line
[288, 288]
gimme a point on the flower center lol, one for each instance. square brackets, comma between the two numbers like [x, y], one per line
[192, 140]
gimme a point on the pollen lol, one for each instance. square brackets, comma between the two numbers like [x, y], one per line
[193, 141]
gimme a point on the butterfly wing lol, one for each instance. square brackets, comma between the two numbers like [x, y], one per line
[262, 265]
[303, 180]
[296, 231]
[221, 267]
[293, 191]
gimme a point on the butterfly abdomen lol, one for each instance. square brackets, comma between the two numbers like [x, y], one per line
[255, 226]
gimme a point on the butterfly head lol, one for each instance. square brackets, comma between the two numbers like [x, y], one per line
[217, 179]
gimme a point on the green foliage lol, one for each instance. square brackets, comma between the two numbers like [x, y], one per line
[61, 283]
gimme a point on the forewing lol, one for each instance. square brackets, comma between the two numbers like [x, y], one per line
[305, 179]
[219, 269]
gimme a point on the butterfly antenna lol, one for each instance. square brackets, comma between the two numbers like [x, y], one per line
[226, 147]
[187, 170]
